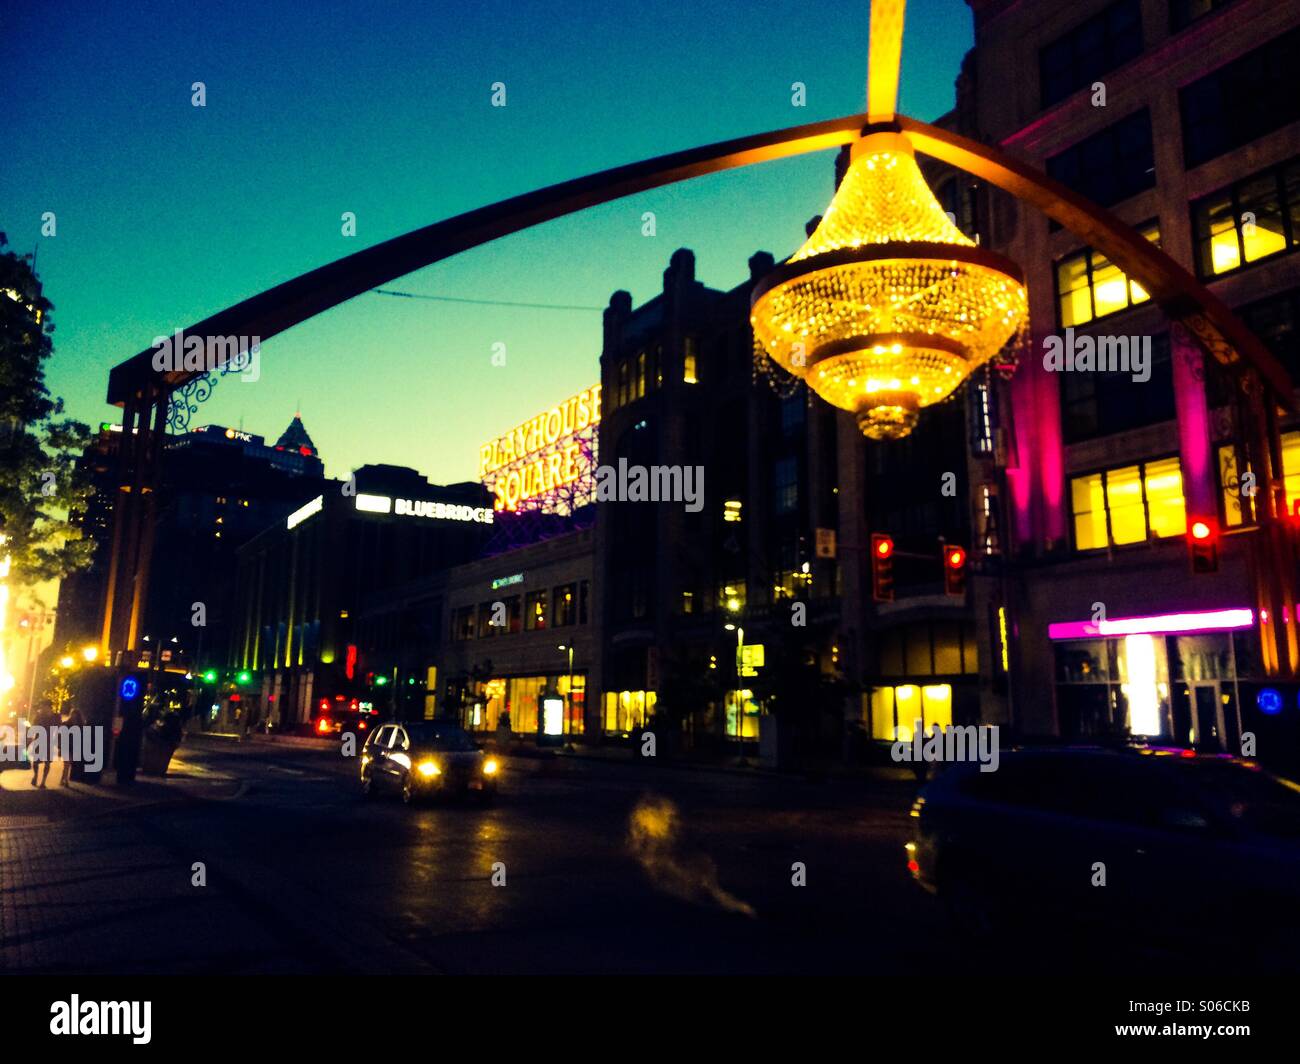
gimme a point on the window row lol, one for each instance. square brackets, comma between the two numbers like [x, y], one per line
[560, 607]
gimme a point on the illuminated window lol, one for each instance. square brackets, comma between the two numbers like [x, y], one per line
[1239, 507]
[688, 361]
[731, 510]
[640, 375]
[1090, 286]
[565, 605]
[1128, 505]
[626, 711]
[535, 611]
[895, 710]
[688, 601]
[731, 596]
[1251, 220]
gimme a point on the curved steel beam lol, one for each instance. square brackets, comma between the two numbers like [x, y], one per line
[1179, 294]
[295, 301]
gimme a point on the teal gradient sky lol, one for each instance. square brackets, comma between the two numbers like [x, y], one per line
[168, 213]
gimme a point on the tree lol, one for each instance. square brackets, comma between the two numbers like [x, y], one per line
[794, 688]
[41, 484]
[685, 688]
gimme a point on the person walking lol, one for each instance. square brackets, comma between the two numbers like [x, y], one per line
[38, 742]
[73, 718]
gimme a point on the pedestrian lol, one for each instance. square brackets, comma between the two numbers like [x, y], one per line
[38, 742]
[73, 718]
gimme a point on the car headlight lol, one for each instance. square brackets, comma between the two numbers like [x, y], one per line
[430, 768]
[490, 767]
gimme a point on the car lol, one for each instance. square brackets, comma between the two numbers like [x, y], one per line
[419, 759]
[344, 716]
[1153, 849]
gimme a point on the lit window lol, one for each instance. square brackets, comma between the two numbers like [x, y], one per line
[688, 601]
[1090, 286]
[895, 711]
[688, 361]
[1128, 505]
[731, 597]
[1254, 219]
[731, 510]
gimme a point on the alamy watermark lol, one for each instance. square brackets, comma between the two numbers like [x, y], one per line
[179, 353]
[953, 743]
[1098, 354]
[78, 743]
[636, 483]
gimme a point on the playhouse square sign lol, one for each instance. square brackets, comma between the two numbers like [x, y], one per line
[542, 454]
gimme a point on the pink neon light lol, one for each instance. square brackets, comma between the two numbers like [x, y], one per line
[1162, 624]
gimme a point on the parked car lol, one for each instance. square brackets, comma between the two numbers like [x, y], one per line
[1160, 846]
[419, 759]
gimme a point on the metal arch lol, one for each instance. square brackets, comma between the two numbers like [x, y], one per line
[1182, 297]
[288, 304]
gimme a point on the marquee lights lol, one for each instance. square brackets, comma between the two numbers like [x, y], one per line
[546, 452]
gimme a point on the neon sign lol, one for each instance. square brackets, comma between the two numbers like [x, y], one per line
[543, 454]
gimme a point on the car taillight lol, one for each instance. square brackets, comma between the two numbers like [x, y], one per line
[361, 724]
[323, 725]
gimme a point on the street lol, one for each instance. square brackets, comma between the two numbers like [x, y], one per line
[305, 875]
[581, 866]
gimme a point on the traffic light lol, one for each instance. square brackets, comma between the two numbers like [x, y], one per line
[954, 570]
[243, 678]
[1203, 547]
[882, 567]
[210, 676]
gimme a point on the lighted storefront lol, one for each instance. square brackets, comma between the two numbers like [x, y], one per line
[1171, 678]
[926, 671]
[627, 711]
[519, 700]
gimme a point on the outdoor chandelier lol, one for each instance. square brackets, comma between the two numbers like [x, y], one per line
[888, 307]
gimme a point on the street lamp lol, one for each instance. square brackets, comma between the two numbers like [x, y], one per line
[568, 707]
[90, 652]
[740, 700]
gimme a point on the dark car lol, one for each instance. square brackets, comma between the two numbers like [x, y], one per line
[344, 716]
[422, 758]
[1153, 846]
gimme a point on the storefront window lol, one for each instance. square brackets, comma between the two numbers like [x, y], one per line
[626, 711]
[749, 712]
[895, 710]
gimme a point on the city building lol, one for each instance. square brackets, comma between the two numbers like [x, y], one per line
[1114, 573]
[218, 487]
[308, 585]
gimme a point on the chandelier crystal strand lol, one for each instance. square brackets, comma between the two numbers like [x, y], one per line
[888, 306]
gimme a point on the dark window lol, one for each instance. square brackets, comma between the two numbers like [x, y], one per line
[1111, 165]
[1256, 218]
[1107, 40]
[1098, 404]
[792, 413]
[1276, 321]
[583, 589]
[785, 485]
[1240, 102]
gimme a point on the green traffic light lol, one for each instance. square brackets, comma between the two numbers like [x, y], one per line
[244, 677]
[380, 681]
[210, 676]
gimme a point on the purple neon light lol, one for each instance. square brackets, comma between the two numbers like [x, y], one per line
[1161, 624]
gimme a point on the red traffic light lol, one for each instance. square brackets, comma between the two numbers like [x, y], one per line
[884, 546]
[882, 567]
[1201, 531]
[955, 557]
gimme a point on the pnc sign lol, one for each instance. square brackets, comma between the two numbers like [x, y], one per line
[542, 454]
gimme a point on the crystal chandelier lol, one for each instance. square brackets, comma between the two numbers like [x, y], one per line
[888, 307]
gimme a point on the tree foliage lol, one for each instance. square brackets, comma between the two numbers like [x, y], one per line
[41, 483]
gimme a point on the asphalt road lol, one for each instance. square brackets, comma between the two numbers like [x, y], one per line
[260, 858]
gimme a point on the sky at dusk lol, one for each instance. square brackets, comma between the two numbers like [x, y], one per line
[167, 213]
